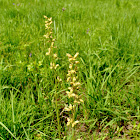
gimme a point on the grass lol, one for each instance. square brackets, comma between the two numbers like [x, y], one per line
[106, 35]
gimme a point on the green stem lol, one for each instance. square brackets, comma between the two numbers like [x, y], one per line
[58, 119]
[73, 131]
[57, 110]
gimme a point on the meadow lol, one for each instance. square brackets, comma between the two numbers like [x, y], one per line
[100, 39]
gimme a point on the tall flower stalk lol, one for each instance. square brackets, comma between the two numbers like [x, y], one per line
[53, 65]
[73, 92]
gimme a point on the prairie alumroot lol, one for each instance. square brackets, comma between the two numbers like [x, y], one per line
[73, 91]
[53, 66]
[51, 40]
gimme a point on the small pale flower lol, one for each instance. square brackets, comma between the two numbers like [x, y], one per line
[51, 67]
[68, 79]
[71, 59]
[77, 84]
[52, 44]
[75, 56]
[55, 55]
[46, 22]
[47, 53]
[69, 108]
[51, 64]
[77, 88]
[72, 83]
[70, 66]
[68, 55]
[50, 19]
[69, 121]
[45, 17]
[81, 100]
[40, 63]
[49, 49]
[47, 27]
[74, 123]
[59, 79]
[74, 79]
[47, 36]
[77, 62]
[72, 95]
[76, 102]
[57, 65]
[70, 88]
[72, 71]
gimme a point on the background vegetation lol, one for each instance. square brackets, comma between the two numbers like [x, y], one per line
[106, 35]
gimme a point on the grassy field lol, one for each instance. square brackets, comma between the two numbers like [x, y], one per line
[106, 34]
